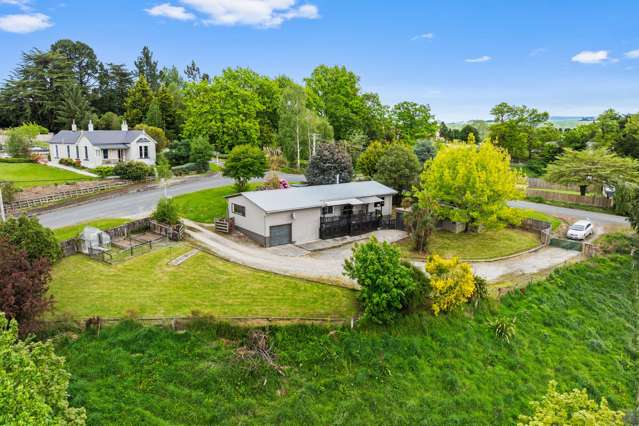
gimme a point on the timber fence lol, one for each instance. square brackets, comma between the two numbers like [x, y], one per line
[596, 201]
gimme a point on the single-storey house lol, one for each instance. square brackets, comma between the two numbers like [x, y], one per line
[302, 214]
[95, 148]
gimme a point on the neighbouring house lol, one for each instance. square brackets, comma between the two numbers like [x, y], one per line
[302, 214]
[93, 148]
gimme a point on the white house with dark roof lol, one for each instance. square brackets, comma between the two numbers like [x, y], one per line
[95, 148]
[302, 214]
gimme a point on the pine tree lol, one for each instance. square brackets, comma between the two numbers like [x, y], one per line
[74, 107]
[154, 115]
[138, 102]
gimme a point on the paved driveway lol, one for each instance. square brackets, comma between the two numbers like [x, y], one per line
[575, 214]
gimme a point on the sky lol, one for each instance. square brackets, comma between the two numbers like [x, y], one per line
[567, 57]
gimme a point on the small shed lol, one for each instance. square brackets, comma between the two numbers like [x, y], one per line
[93, 239]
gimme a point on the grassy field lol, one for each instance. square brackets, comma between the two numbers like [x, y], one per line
[146, 284]
[72, 231]
[578, 327]
[488, 244]
[26, 175]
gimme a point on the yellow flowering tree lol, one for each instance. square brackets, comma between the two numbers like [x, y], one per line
[472, 183]
[452, 282]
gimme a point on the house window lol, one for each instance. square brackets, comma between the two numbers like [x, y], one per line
[327, 210]
[105, 154]
[77, 152]
[68, 151]
[239, 210]
[86, 153]
[347, 210]
[379, 204]
[144, 152]
[57, 154]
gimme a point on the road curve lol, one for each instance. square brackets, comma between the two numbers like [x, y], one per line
[132, 203]
[595, 217]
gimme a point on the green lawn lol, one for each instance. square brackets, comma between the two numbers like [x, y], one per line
[146, 284]
[204, 206]
[68, 232]
[488, 244]
[26, 175]
[577, 327]
[215, 167]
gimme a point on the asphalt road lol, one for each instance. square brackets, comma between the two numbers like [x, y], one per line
[594, 217]
[133, 203]
[141, 203]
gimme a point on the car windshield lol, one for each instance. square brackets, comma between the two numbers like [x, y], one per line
[577, 228]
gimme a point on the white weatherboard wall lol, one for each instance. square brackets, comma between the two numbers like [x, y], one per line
[254, 219]
[305, 226]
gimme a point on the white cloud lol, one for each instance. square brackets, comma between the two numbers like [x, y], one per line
[427, 36]
[633, 54]
[22, 4]
[538, 51]
[25, 23]
[591, 57]
[480, 59]
[257, 13]
[170, 11]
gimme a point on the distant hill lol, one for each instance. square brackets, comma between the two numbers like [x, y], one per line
[562, 121]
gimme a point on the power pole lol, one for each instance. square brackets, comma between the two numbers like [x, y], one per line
[2, 215]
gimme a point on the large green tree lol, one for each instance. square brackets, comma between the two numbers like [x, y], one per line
[83, 60]
[293, 123]
[471, 184]
[398, 167]
[138, 102]
[607, 128]
[334, 93]
[628, 143]
[592, 167]
[147, 67]
[367, 161]
[514, 129]
[227, 111]
[75, 107]
[26, 233]
[413, 121]
[114, 83]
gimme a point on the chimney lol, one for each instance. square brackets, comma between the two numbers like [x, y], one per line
[90, 126]
[74, 127]
[125, 127]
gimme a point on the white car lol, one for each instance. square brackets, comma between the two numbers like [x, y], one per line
[580, 230]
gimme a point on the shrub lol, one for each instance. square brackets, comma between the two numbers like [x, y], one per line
[133, 170]
[452, 283]
[367, 161]
[27, 234]
[570, 408]
[67, 162]
[179, 152]
[23, 285]
[17, 160]
[201, 153]
[481, 290]
[166, 212]
[103, 171]
[329, 161]
[185, 169]
[504, 328]
[19, 144]
[618, 242]
[386, 284]
[8, 190]
[244, 163]
[34, 386]
[425, 150]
